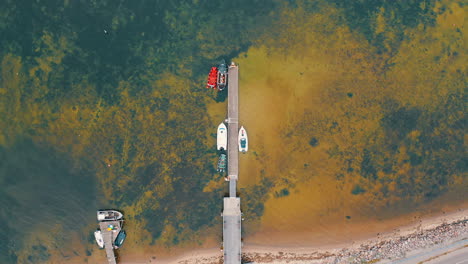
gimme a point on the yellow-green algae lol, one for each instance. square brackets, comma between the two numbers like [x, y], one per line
[348, 134]
[348, 114]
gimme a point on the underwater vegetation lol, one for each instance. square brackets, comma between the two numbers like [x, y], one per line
[365, 118]
[367, 98]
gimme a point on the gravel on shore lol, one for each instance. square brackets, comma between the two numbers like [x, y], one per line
[389, 249]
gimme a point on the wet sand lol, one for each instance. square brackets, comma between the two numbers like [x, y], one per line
[332, 230]
[422, 232]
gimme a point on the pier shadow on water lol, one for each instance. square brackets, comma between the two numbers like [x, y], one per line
[221, 95]
[45, 196]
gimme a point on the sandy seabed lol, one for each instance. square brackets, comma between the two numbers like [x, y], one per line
[423, 233]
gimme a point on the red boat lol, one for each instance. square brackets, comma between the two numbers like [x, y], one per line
[212, 78]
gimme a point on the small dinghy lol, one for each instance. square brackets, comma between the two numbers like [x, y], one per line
[243, 140]
[99, 239]
[212, 78]
[109, 215]
[222, 163]
[222, 75]
[120, 239]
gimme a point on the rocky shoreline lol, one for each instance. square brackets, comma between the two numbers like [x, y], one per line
[429, 234]
[388, 249]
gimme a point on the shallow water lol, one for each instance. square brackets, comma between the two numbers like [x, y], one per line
[46, 200]
[317, 113]
[351, 113]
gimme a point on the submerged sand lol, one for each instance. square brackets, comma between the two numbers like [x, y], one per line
[327, 86]
[424, 232]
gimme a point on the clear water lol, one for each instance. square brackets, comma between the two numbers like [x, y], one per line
[103, 105]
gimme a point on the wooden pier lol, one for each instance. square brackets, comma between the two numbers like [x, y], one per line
[233, 126]
[109, 235]
[232, 230]
[232, 215]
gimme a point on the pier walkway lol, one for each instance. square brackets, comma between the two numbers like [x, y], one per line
[232, 215]
[109, 237]
[233, 126]
[232, 230]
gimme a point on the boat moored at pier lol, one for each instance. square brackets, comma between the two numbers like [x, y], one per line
[222, 75]
[221, 138]
[99, 239]
[120, 239]
[222, 163]
[243, 140]
[212, 78]
[109, 215]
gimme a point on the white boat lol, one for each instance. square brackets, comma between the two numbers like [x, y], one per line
[243, 140]
[99, 239]
[222, 137]
[108, 215]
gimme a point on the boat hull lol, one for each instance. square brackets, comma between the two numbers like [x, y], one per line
[222, 80]
[243, 140]
[109, 215]
[212, 78]
[99, 238]
[222, 75]
[222, 163]
[221, 138]
[119, 240]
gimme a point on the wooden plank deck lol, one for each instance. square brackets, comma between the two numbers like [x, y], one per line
[233, 126]
[109, 238]
[231, 213]
[232, 231]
